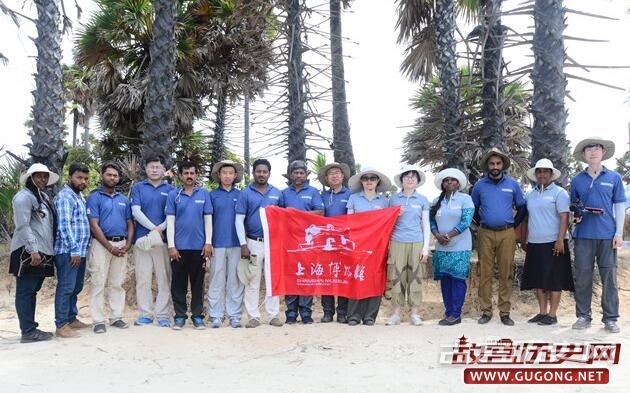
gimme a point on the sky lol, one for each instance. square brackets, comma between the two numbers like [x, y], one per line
[378, 94]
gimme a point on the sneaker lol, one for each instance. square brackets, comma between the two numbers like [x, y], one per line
[328, 317]
[341, 318]
[120, 324]
[216, 323]
[548, 320]
[394, 319]
[35, 336]
[143, 321]
[198, 323]
[450, 321]
[443, 321]
[536, 318]
[485, 318]
[252, 323]
[307, 320]
[276, 322]
[506, 320]
[611, 327]
[76, 324]
[179, 323]
[415, 320]
[353, 322]
[164, 323]
[235, 323]
[291, 320]
[100, 328]
[66, 332]
[581, 324]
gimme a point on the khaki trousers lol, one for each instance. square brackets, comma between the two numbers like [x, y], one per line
[252, 290]
[146, 262]
[404, 273]
[106, 269]
[496, 247]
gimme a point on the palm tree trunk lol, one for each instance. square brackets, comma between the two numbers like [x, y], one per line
[86, 129]
[550, 116]
[342, 143]
[445, 24]
[47, 134]
[492, 112]
[218, 139]
[295, 69]
[246, 136]
[75, 125]
[157, 129]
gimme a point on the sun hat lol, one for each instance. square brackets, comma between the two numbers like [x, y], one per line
[321, 175]
[148, 241]
[483, 163]
[408, 168]
[355, 181]
[594, 140]
[543, 163]
[216, 168]
[246, 270]
[37, 168]
[450, 172]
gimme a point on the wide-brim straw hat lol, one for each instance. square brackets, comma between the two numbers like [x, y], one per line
[355, 181]
[450, 172]
[409, 168]
[543, 163]
[483, 163]
[321, 175]
[594, 140]
[217, 167]
[38, 168]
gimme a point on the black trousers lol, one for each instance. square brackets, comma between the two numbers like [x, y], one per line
[301, 304]
[364, 309]
[190, 268]
[328, 304]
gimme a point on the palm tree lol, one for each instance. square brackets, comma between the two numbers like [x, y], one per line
[550, 116]
[47, 134]
[342, 143]
[77, 91]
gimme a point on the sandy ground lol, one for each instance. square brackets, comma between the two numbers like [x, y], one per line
[315, 358]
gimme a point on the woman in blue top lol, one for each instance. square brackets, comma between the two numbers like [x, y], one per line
[366, 187]
[451, 215]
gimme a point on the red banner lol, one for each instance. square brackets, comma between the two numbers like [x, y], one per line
[307, 254]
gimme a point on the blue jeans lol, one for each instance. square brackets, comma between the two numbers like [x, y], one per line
[26, 288]
[69, 285]
[301, 304]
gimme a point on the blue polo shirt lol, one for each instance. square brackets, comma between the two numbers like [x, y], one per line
[408, 228]
[335, 203]
[223, 228]
[151, 201]
[601, 192]
[359, 202]
[544, 210]
[189, 222]
[496, 200]
[249, 203]
[307, 199]
[112, 212]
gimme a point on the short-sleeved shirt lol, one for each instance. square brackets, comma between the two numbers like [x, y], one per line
[113, 212]
[496, 200]
[544, 210]
[250, 200]
[449, 216]
[151, 200]
[224, 206]
[335, 203]
[408, 228]
[306, 199]
[189, 212]
[358, 202]
[602, 192]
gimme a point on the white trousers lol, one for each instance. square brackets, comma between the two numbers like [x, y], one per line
[250, 299]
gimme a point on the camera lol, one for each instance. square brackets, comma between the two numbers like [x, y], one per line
[577, 209]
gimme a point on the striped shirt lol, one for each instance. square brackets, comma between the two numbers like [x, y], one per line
[73, 228]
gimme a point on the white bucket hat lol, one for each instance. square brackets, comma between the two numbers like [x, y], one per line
[594, 140]
[217, 167]
[37, 168]
[543, 163]
[450, 172]
[355, 181]
[148, 241]
[408, 168]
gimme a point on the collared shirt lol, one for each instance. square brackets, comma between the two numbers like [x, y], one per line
[250, 200]
[455, 213]
[335, 203]
[408, 228]
[496, 200]
[33, 224]
[112, 212]
[358, 202]
[73, 228]
[306, 199]
[601, 192]
[544, 208]
[189, 210]
[224, 206]
[152, 201]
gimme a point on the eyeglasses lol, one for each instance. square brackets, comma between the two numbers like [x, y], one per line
[369, 178]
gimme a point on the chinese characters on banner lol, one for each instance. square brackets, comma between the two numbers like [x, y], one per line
[306, 254]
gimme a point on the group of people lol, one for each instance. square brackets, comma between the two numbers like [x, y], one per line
[177, 233]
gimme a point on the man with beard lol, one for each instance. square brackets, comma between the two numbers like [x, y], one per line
[301, 196]
[250, 235]
[495, 196]
[71, 244]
